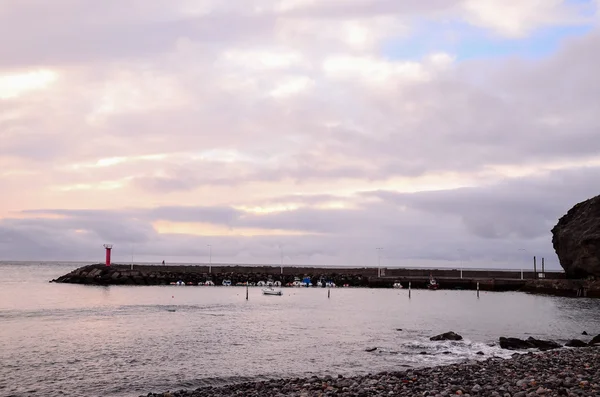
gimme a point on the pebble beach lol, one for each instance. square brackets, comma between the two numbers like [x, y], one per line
[561, 372]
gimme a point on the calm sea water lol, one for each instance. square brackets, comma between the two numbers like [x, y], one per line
[60, 339]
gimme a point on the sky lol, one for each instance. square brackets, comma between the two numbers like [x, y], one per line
[449, 133]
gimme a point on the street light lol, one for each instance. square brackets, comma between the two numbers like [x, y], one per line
[379, 261]
[281, 254]
[524, 250]
[209, 258]
[461, 250]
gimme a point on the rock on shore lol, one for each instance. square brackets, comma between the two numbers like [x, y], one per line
[576, 239]
[450, 335]
[564, 372]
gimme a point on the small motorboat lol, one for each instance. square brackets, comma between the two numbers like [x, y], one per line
[272, 291]
[433, 284]
[398, 285]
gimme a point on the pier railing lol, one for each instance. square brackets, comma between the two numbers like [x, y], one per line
[382, 272]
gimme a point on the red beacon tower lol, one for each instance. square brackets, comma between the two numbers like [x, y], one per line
[108, 248]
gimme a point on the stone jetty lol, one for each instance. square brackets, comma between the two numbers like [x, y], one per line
[487, 280]
[101, 274]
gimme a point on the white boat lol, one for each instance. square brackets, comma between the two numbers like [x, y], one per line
[226, 283]
[433, 284]
[272, 291]
[397, 285]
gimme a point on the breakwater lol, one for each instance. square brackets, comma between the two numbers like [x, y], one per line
[486, 280]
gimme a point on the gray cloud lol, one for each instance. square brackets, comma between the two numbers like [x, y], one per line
[520, 115]
[38, 33]
[251, 106]
[482, 227]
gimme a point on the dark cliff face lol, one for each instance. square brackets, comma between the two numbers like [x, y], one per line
[576, 239]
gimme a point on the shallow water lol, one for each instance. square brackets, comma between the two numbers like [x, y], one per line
[127, 340]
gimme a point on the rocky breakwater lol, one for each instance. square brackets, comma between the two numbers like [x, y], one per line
[564, 372]
[101, 274]
[589, 287]
[576, 239]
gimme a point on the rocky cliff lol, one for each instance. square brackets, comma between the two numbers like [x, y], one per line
[576, 239]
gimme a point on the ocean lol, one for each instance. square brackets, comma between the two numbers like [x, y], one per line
[75, 340]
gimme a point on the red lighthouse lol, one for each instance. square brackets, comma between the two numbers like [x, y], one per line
[108, 248]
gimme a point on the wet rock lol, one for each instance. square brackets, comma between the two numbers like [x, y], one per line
[595, 340]
[576, 343]
[544, 344]
[446, 336]
[515, 344]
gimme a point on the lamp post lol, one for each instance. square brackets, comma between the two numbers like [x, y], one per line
[461, 250]
[209, 258]
[379, 261]
[281, 254]
[524, 250]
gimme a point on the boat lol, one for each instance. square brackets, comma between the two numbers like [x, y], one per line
[398, 285]
[433, 284]
[272, 291]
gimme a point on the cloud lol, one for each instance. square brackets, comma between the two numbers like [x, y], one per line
[518, 19]
[313, 125]
[485, 226]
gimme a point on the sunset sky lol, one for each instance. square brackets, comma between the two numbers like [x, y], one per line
[447, 132]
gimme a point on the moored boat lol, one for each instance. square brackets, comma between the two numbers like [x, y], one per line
[272, 291]
[433, 284]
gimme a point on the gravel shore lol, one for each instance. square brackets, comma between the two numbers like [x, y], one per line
[563, 372]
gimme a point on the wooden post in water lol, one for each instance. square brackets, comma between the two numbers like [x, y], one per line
[328, 293]
[478, 289]
[246, 290]
[409, 289]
